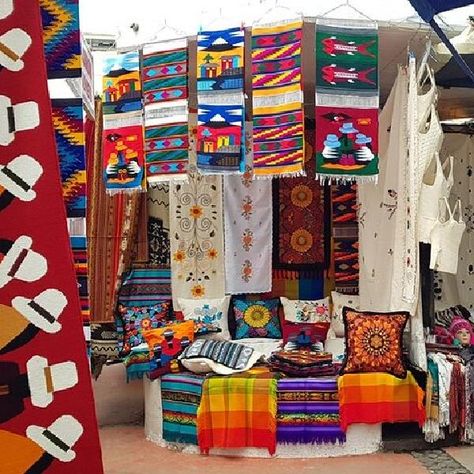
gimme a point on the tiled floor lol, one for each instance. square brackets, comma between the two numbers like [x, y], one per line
[125, 451]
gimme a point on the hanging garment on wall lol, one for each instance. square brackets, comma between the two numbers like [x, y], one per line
[299, 222]
[46, 408]
[79, 254]
[123, 153]
[62, 37]
[197, 247]
[121, 83]
[165, 71]
[277, 88]
[110, 233]
[69, 134]
[346, 100]
[248, 234]
[308, 412]
[158, 201]
[461, 286]
[220, 85]
[345, 238]
[165, 89]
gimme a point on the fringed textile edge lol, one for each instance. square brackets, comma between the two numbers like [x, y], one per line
[346, 179]
[114, 191]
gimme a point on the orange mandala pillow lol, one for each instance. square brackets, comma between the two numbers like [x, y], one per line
[374, 342]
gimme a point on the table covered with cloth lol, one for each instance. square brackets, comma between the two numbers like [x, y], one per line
[238, 411]
[308, 411]
[379, 398]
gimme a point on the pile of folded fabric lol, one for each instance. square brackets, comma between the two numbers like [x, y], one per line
[302, 363]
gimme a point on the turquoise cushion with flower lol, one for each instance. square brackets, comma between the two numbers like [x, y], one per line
[257, 319]
[132, 321]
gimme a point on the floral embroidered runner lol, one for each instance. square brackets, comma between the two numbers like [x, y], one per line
[347, 100]
[197, 247]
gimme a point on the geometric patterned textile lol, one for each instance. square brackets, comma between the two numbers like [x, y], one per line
[79, 252]
[278, 123]
[47, 414]
[69, 134]
[61, 36]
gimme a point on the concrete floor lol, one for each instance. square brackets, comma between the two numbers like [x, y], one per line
[125, 451]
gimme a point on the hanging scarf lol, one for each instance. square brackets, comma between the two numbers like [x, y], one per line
[346, 101]
[165, 92]
[431, 426]
[457, 400]
[220, 85]
[277, 88]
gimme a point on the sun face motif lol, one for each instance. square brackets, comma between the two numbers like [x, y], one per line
[257, 316]
[301, 240]
[301, 196]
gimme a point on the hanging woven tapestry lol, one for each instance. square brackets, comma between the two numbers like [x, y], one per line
[121, 83]
[299, 221]
[345, 232]
[220, 138]
[278, 124]
[347, 99]
[197, 247]
[248, 234]
[165, 71]
[166, 141]
[47, 415]
[61, 36]
[69, 134]
[158, 202]
[220, 60]
[123, 156]
[79, 253]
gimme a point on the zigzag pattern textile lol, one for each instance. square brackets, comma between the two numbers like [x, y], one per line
[69, 134]
[61, 36]
[278, 119]
[220, 83]
[165, 92]
[347, 100]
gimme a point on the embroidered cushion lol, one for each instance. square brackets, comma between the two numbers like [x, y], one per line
[257, 319]
[301, 311]
[132, 321]
[166, 344]
[340, 300]
[374, 342]
[211, 312]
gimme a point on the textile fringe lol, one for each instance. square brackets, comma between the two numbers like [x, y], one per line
[344, 100]
[278, 23]
[156, 181]
[114, 191]
[346, 179]
[293, 174]
[352, 23]
[301, 438]
[283, 274]
[277, 99]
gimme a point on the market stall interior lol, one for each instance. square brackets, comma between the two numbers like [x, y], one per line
[271, 229]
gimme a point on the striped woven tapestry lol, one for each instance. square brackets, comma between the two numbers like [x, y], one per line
[79, 253]
[220, 83]
[69, 134]
[165, 90]
[308, 411]
[61, 36]
[278, 122]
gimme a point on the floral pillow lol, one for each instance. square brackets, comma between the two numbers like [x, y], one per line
[300, 311]
[210, 312]
[166, 344]
[340, 300]
[257, 319]
[132, 321]
[374, 342]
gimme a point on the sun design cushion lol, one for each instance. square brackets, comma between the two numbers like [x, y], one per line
[211, 312]
[301, 311]
[257, 319]
[374, 342]
[340, 300]
[132, 321]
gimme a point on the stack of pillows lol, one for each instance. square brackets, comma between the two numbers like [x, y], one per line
[153, 342]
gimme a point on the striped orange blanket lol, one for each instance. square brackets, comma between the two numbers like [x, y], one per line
[379, 398]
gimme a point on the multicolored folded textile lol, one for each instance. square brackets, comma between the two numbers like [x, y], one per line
[61, 36]
[220, 83]
[180, 399]
[346, 100]
[145, 287]
[238, 411]
[308, 412]
[299, 222]
[345, 232]
[69, 133]
[137, 364]
[303, 363]
[278, 123]
[380, 398]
